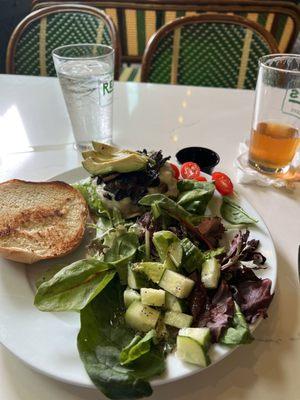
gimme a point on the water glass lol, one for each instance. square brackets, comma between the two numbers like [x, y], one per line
[85, 73]
[276, 121]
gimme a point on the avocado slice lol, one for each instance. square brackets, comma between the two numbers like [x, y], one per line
[107, 159]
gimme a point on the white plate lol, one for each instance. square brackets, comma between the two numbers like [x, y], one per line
[47, 341]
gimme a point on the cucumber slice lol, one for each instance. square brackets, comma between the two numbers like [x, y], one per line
[176, 284]
[153, 297]
[191, 351]
[177, 319]
[210, 273]
[201, 335]
[153, 270]
[130, 296]
[175, 253]
[174, 304]
[140, 317]
[135, 279]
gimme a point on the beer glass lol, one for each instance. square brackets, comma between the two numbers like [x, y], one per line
[276, 120]
[85, 73]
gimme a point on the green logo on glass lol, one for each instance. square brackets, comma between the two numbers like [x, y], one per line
[291, 103]
[108, 87]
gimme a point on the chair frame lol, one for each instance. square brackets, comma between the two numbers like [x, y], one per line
[217, 18]
[215, 6]
[54, 9]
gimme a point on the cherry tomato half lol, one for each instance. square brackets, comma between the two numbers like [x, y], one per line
[216, 175]
[201, 179]
[175, 169]
[190, 170]
[224, 185]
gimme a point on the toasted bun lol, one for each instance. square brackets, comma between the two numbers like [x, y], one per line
[40, 220]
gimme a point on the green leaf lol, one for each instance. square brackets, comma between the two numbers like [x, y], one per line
[194, 196]
[185, 185]
[234, 214]
[121, 252]
[156, 211]
[239, 333]
[167, 205]
[48, 274]
[193, 258]
[89, 192]
[137, 347]
[162, 240]
[214, 252]
[103, 335]
[74, 286]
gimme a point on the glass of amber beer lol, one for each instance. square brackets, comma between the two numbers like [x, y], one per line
[276, 120]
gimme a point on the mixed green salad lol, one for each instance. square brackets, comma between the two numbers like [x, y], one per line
[158, 275]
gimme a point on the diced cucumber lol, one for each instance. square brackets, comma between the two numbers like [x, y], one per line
[130, 296]
[153, 297]
[140, 317]
[174, 304]
[177, 319]
[191, 351]
[210, 273]
[201, 335]
[136, 279]
[153, 270]
[176, 284]
[175, 253]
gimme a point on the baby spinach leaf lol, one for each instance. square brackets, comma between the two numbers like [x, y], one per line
[122, 251]
[234, 214]
[48, 274]
[103, 335]
[194, 196]
[137, 347]
[193, 258]
[239, 333]
[74, 286]
[167, 205]
[185, 185]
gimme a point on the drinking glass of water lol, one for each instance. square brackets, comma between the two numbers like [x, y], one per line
[276, 121]
[85, 73]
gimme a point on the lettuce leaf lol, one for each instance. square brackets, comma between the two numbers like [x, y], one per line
[162, 240]
[89, 192]
[103, 335]
[193, 258]
[239, 332]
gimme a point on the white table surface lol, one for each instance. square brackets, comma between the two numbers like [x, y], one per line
[36, 144]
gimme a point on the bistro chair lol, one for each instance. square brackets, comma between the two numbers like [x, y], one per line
[30, 47]
[207, 50]
[138, 20]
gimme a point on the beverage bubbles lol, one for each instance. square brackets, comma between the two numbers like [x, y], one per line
[87, 85]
